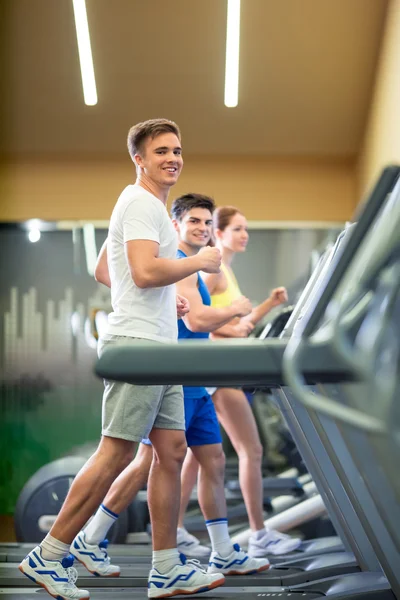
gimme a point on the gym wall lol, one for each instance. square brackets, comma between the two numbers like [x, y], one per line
[50, 400]
[382, 134]
[278, 189]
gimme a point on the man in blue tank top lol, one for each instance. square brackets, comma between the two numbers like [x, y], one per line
[192, 217]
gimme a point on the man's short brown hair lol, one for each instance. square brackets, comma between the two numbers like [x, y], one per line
[184, 204]
[152, 128]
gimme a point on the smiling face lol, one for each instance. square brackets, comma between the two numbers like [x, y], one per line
[235, 235]
[161, 159]
[195, 228]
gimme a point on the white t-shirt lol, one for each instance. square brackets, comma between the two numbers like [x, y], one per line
[148, 313]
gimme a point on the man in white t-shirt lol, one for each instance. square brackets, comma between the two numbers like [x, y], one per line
[143, 268]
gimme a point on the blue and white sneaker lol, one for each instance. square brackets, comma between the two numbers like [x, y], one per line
[56, 577]
[94, 557]
[187, 578]
[237, 563]
[272, 542]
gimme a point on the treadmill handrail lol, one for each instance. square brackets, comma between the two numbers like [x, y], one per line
[221, 363]
[318, 402]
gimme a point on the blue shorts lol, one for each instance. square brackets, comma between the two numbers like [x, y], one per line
[201, 422]
[250, 397]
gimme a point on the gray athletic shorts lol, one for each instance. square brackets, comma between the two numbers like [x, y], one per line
[131, 411]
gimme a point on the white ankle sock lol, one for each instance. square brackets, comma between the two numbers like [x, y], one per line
[53, 549]
[182, 531]
[165, 560]
[219, 536]
[97, 529]
[259, 534]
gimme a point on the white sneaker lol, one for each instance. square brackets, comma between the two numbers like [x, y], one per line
[237, 563]
[189, 545]
[187, 578]
[94, 557]
[56, 577]
[273, 542]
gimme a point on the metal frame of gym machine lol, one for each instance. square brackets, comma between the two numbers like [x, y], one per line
[357, 441]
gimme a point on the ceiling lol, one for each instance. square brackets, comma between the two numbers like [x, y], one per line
[306, 75]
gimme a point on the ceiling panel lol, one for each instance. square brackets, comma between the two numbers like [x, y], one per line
[306, 75]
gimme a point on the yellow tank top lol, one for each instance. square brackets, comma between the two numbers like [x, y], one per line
[230, 294]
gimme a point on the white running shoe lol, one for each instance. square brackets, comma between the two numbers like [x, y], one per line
[189, 545]
[187, 578]
[237, 563]
[94, 557]
[56, 577]
[273, 542]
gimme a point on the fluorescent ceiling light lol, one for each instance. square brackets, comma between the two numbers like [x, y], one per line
[232, 53]
[85, 52]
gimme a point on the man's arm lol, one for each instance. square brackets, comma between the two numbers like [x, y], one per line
[239, 328]
[148, 270]
[101, 272]
[203, 318]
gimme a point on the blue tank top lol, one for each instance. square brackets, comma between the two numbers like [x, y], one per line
[185, 333]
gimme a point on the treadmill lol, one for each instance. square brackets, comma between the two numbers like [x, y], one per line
[370, 584]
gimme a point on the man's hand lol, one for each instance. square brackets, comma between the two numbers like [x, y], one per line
[182, 306]
[242, 306]
[278, 296]
[210, 259]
